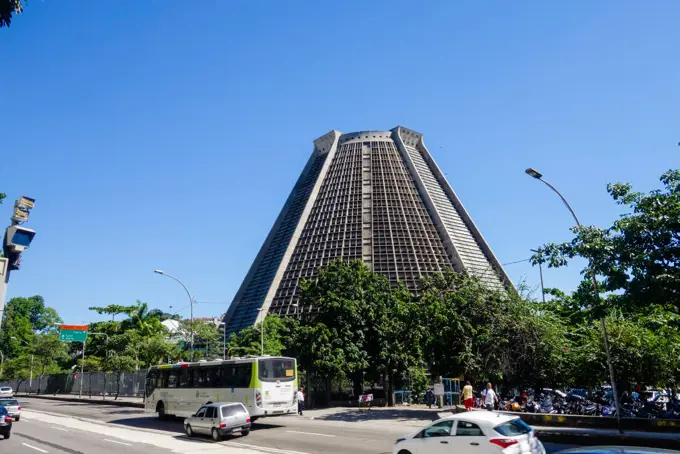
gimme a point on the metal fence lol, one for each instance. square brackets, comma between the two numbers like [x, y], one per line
[94, 384]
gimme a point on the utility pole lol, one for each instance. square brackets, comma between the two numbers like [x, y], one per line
[539, 253]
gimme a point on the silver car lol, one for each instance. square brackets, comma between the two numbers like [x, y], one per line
[219, 420]
[6, 391]
[12, 406]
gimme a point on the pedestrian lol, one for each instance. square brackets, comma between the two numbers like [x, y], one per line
[490, 399]
[467, 396]
[429, 398]
[301, 400]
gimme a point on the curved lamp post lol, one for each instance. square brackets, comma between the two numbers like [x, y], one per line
[539, 176]
[191, 303]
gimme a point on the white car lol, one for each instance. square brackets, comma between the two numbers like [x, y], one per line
[474, 432]
[6, 391]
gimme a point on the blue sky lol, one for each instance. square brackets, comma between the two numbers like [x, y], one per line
[167, 136]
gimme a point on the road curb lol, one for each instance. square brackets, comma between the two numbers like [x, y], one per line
[113, 403]
[586, 439]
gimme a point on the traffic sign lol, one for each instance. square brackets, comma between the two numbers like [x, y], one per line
[73, 333]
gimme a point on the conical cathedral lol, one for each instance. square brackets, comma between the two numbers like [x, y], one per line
[377, 196]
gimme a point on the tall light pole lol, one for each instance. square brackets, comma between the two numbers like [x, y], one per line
[537, 175]
[30, 380]
[262, 331]
[191, 302]
[224, 342]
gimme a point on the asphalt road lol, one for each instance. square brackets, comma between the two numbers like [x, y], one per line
[290, 434]
[33, 437]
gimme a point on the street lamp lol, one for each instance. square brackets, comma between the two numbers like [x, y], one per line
[224, 342]
[262, 331]
[539, 176]
[191, 302]
[30, 380]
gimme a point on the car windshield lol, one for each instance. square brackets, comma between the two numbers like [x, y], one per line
[513, 428]
[232, 410]
[277, 369]
[9, 403]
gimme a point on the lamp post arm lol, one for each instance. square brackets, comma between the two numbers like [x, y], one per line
[563, 200]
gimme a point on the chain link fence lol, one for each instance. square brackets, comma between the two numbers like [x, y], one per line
[93, 384]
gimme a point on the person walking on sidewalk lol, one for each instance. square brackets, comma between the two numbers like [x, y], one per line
[467, 396]
[490, 398]
[301, 401]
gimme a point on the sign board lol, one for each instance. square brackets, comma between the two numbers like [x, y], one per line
[73, 333]
[366, 398]
[439, 389]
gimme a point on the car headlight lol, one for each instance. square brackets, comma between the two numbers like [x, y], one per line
[399, 440]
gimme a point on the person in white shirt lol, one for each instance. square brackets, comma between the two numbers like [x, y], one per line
[490, 398]
[301, 400]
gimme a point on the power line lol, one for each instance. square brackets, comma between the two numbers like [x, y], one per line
[518, 261]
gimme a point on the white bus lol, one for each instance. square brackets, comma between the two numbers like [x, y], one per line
[266, 385]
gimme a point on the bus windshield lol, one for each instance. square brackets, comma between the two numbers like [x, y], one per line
[276, 369]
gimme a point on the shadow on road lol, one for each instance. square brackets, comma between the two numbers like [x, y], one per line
[395, 415]
[175, 425]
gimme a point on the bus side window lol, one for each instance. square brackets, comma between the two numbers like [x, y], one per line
[247, 373]
[216, 373]
[184, 378]
[162, 379]
[172, 379]
[198, 378]
[228, 376]
[151, 381]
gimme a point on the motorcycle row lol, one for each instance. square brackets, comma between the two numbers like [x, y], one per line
[599, 403]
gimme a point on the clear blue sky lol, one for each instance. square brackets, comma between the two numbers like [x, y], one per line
[167, 135]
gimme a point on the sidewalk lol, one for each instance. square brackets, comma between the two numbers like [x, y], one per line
[135, 402]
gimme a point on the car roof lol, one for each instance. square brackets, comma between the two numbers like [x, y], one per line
[224, 404]
[482, 416]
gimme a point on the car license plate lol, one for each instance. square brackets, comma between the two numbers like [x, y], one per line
[277, 405]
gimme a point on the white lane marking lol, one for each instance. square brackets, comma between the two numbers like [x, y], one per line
[33, 447]
[59, 428]
[118, 442]
[309, 433]
[262, 448]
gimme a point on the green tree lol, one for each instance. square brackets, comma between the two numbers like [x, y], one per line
[9, 8]
[638, 256]
[278, 334]
[118, 364]
[113, 310]
[23, 317]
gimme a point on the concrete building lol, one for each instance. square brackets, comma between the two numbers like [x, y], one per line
[371, 195]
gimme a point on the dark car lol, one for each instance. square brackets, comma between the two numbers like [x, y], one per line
[5, 423]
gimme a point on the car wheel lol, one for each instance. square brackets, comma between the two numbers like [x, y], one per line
[216, 435]
[18, 418]
[189, 431]
[245, 433]
[160, 408]
[403, 451]
[7, 436]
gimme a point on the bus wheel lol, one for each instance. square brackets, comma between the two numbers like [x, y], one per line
[160, 409]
